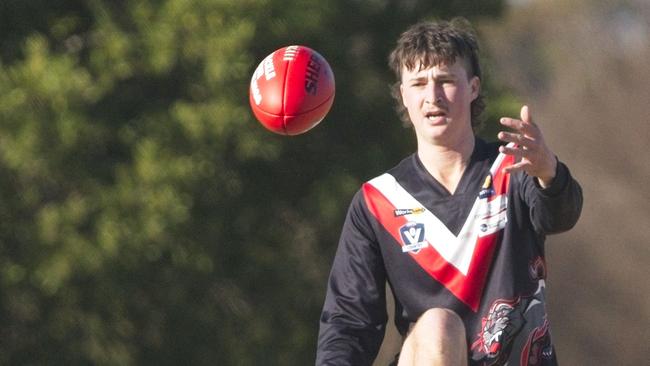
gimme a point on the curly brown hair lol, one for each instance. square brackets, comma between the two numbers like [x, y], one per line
[431, 43]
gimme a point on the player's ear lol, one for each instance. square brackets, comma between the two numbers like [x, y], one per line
[475, 85]
[401, 92]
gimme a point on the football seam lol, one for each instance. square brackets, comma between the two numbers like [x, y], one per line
[309, 110]
[299, 114]
[284, 88]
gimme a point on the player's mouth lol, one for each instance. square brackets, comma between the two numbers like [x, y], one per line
[436, 116]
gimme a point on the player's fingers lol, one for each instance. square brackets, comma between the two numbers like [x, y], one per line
[525, 125]
[516, 138]
[528, 144]
[511, 122]
[518, 125]
[522, 165]
[514, 151]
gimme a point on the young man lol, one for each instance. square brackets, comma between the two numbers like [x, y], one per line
[457, 229]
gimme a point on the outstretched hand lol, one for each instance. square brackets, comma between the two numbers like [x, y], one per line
[536, 158]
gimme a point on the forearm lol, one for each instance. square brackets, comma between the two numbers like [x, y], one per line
[354, 313]
[557, 207]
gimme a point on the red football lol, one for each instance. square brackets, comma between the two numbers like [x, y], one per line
[292, 90]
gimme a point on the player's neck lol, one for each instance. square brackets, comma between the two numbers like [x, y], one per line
[447, 163]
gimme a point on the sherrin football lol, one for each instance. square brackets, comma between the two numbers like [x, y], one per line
[292, 90]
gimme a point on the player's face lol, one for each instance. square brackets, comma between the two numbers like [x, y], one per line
[438, 101]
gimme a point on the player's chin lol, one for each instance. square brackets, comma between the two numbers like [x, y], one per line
[433, 134]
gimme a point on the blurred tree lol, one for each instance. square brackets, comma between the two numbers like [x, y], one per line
[146, 218]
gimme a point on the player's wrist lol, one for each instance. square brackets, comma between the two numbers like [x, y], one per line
[546, 180]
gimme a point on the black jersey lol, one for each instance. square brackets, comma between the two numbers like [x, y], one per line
[478, 251]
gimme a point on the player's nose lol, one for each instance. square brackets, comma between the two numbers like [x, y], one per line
[433, 93]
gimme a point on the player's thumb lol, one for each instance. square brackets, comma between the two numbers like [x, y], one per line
[525, 114]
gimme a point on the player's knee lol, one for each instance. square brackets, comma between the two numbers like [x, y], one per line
[440, 331]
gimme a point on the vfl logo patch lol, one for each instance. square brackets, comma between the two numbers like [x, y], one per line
[408, 211]
[412, 234]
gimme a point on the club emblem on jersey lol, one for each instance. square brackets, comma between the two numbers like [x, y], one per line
[412, 234]
[500, 326]
[508, 324]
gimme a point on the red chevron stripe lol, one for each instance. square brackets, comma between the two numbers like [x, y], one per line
[467, 289]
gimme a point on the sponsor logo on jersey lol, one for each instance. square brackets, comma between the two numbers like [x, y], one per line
[486, 190]
[492, 215]
[408, 211]
[412, 234]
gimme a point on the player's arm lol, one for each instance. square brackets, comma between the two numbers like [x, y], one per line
[354, 316]
[554, 197]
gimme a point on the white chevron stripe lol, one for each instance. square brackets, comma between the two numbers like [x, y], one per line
[455, 250]
[484, 218]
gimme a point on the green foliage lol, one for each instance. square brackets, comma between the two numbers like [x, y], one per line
[146, 218]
